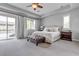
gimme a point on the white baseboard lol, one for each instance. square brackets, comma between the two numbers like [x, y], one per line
[75, 39]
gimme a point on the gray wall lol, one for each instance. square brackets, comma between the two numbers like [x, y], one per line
[57, 19]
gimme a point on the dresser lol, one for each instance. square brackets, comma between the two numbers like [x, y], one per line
[66, 36]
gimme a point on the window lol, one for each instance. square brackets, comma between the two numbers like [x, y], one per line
[66, 22]
[30, 23]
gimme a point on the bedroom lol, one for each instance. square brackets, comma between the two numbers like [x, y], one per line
[55, 23]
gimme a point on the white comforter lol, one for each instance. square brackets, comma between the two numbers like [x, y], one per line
[50, 36]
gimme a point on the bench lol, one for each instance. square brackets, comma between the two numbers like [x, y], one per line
[37, 39]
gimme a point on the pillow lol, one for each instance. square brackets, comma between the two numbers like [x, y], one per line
[45, 29]
[48, 29]
[55, 29]
[52, 29]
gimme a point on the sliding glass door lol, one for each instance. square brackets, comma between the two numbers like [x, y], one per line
[3, 27]
[11, 28]
[7, 27]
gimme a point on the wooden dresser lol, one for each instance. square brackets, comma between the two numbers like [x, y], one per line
[66, 36]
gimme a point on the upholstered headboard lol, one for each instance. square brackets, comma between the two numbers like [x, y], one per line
[51, 26]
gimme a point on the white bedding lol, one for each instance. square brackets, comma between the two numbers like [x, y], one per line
[50, 36]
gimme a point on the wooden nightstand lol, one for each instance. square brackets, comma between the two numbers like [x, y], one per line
[66, 36]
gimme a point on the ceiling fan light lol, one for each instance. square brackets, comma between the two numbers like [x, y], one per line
[34, 6]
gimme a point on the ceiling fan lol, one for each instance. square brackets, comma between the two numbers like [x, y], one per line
[35, 6]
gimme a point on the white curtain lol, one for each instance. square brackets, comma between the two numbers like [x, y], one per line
[27, 32]
[20, 27]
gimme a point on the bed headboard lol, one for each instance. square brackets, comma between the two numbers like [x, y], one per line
[51, 26]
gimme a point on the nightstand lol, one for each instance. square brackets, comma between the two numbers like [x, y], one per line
[66, 36]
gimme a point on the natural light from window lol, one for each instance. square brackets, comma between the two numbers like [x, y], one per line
[30, 24]
[66, 22]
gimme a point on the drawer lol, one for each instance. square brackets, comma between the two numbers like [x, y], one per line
[66, 33]
[66, 36]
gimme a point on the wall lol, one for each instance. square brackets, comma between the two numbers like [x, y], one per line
[57, 19]
[53, 20]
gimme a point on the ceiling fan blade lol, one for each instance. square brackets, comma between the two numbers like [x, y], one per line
[29, 6]
[40, 6]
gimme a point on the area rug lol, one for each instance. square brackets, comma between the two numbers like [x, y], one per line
[44, 45]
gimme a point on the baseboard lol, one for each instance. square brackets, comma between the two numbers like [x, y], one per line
[75, 39]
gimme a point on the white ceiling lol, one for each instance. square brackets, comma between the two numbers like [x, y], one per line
[47, 7]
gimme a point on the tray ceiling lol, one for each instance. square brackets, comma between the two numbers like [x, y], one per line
[47, 7]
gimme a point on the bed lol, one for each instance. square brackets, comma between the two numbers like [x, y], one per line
[51, 34]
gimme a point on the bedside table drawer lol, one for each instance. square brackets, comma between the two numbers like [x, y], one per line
[66, 33]
[66, 36]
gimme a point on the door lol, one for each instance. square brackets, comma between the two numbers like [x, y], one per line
[3, 27]
[11, 28]
[7, 27]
